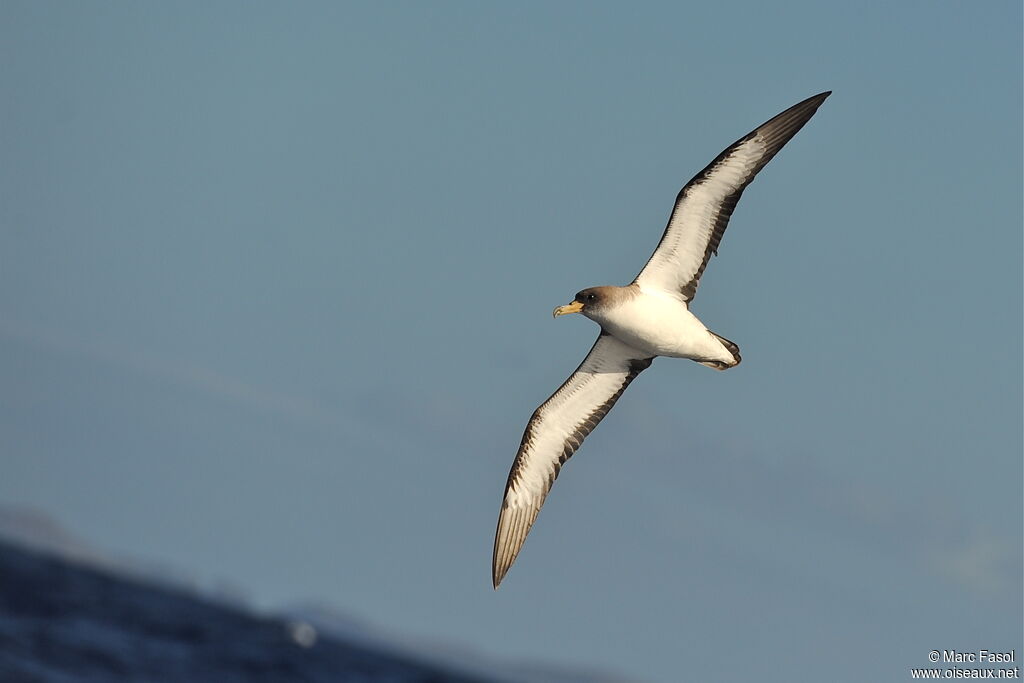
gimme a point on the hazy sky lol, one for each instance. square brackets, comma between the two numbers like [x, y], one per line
[276, 285]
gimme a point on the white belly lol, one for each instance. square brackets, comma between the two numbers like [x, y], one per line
[663, 326]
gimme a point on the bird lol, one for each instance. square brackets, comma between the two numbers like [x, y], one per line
[647, 318]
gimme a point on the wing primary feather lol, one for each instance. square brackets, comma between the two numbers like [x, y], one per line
[555, 431]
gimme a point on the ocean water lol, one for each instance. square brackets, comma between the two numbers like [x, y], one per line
[65, 623]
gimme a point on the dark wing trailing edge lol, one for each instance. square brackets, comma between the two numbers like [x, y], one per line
[704, 205]
[555, 431]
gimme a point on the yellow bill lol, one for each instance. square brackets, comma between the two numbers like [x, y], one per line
[574, 307]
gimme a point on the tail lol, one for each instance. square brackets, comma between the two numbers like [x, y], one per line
[732, 348]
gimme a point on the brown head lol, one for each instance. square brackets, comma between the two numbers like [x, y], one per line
[592, 300]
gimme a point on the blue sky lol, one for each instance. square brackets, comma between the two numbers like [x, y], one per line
[275, 295]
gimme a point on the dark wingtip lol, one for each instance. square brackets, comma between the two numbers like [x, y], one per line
[496, 575]
[811, 103]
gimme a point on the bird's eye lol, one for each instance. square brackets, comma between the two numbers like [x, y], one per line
[590, 297]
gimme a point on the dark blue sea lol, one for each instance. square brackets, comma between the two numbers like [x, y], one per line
[66, 623]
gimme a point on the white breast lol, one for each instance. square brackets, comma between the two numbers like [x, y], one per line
[662, 325]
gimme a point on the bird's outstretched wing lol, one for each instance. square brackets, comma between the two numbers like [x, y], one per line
[555, 431]
[704, 205]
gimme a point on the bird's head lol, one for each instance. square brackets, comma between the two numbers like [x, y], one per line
[586, 301]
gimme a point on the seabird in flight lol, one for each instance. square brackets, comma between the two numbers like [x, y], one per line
[649, 317]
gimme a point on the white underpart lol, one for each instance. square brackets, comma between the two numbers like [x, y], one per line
[681, 252]
[661, 324]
